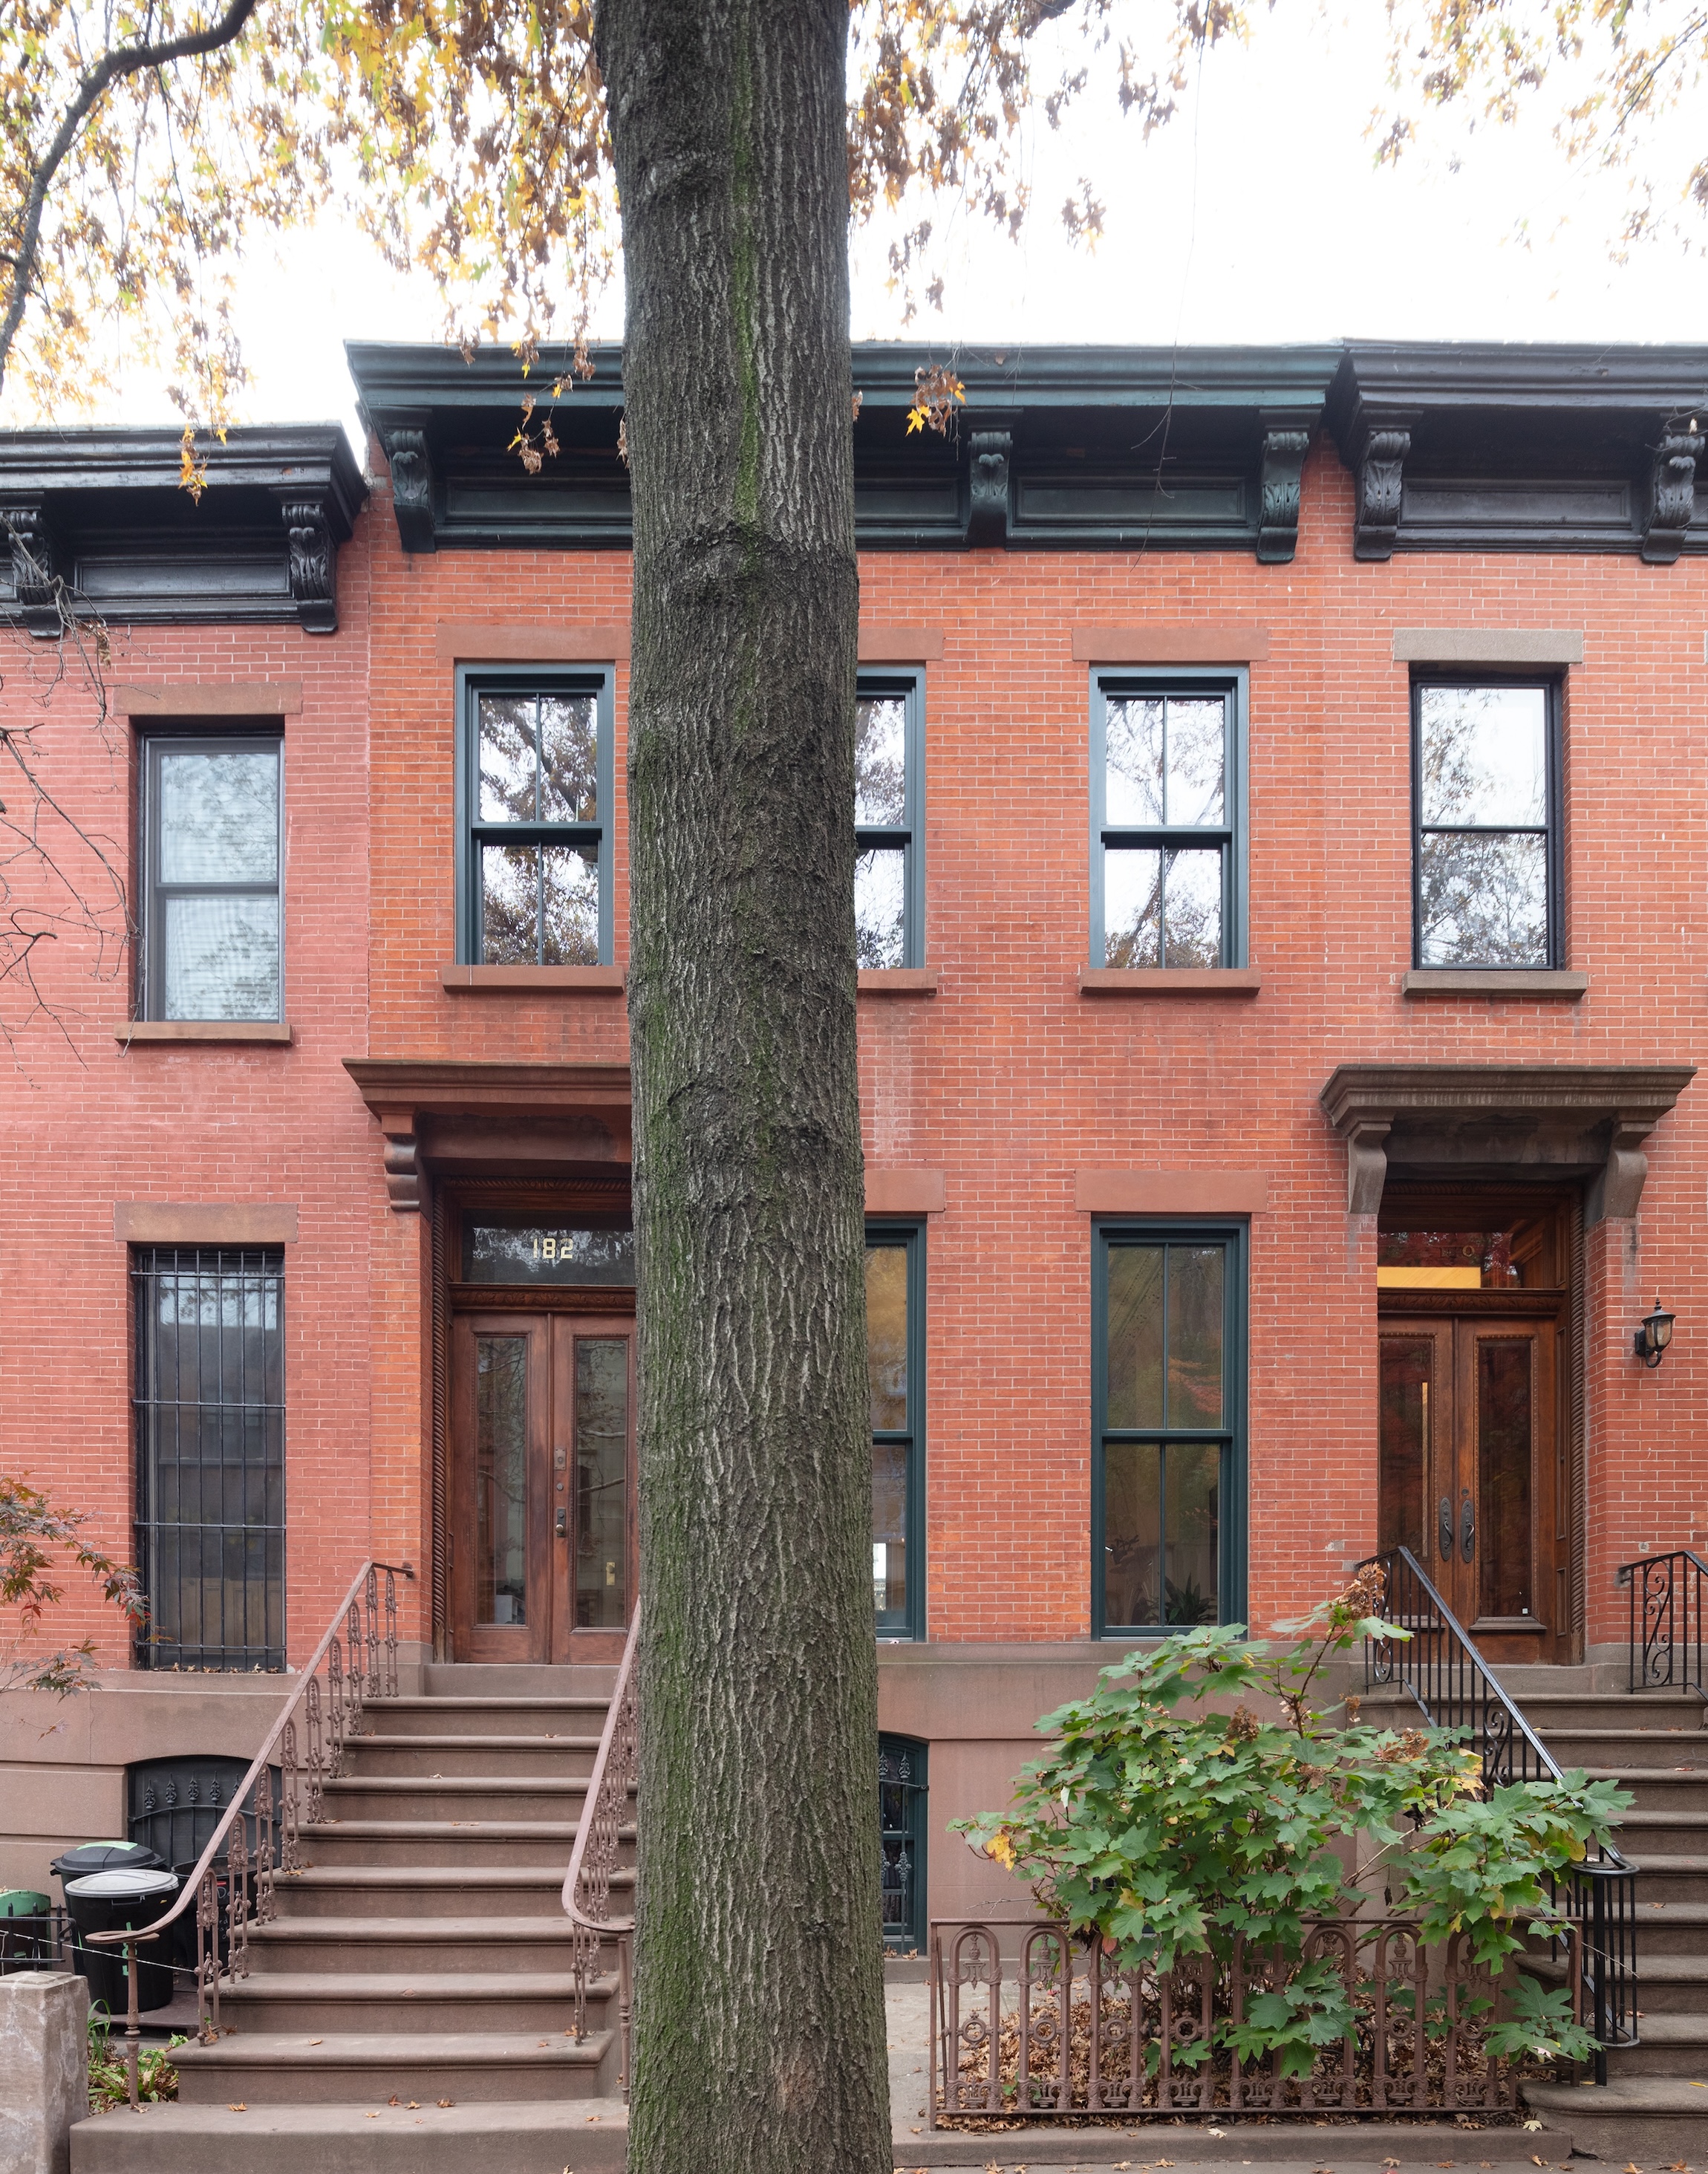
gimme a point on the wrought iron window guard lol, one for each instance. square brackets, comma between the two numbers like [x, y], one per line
[232, 1886]
[1449, 1682]
[1666, 1621]
[607, 1821]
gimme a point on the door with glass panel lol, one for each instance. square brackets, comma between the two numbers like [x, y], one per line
[1472, 1439]
[541, 1544]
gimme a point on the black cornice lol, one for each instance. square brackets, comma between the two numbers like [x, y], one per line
[105, 510]
[1086, 446]
[1474, 446]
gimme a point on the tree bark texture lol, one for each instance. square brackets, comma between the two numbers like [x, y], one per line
[759, 2032]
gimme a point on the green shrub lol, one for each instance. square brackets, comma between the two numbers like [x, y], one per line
[1164, 1829]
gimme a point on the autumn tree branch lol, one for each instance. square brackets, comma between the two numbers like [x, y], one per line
[112, 66]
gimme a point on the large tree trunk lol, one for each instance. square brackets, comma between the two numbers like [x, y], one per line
[758, 2010]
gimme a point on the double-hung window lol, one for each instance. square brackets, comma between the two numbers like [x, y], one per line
[211, 840]
[889, 867]
[1167, 797]
[1485, 796]
[533, 793]
[896, 1369]
[1168, 1453]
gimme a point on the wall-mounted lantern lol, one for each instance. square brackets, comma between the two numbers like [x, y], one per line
[1654, 1336]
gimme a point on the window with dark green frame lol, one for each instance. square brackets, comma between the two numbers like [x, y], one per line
[895, 1367]
[1486, 794]
[889, 821]
[533, 814]
[1168, 820]
[1168, 1396]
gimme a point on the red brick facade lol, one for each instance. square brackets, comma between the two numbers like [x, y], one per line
[1007, 1079]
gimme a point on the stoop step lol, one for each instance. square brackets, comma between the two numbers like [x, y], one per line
[1648, 2121]
[302, 2068]
[537, 2137]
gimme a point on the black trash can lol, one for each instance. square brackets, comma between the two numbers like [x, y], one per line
[113, 1901]
[106, 1856]
[26, 1929]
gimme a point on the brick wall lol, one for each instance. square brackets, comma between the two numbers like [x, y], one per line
[1007, 1080]
[89, 1122]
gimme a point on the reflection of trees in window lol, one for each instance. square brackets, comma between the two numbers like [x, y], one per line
[1483, 835]
[1166, 1340]
[1165, 834]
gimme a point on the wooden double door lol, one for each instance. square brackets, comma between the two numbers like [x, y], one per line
[1471, 1466]
[541, 1537]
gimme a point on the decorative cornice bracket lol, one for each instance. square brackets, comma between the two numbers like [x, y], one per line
[1566, 1121]
[28, 542]
[987, 516]
[1280, 486]
[310, 564]
[1366, 1166]
[402, 1161]
[1380, 483]
[412, 488]
[1672, 495]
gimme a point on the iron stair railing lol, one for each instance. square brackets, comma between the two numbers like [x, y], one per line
[1666, 1621]
[1447, 1679]
[605, 1820]
[356, 1659]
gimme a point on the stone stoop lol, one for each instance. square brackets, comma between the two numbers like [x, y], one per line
[540, 2136]
[1653, 2109]
[421, 1955]
[1648, 2121]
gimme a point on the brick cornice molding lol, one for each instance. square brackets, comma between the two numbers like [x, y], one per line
[204, 1223]
[1564, 1120]
[1171, 1191]
[1237, 642]
[1488, 645]
[532, 643]
[900, 645]
[205, 698]
[904, 1189]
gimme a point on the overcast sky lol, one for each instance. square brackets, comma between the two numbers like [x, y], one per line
[1257, 215]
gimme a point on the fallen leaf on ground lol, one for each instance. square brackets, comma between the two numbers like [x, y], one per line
[413, 2103]
[316, 2041]
[238, 2105]
[447, 2102]
[394, 2100]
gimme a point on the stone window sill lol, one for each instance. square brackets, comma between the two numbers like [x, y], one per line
[532, 981]
[274, 1031]
[898, 981]
[1493, 982]
[1170, 981]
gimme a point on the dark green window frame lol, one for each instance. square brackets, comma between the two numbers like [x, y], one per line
[1233, 1237]
[908, 1622]
[907, 836]
[1230, 835]
[1551, 828]
[152, 992]
[471, 682]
